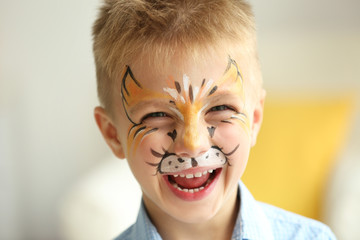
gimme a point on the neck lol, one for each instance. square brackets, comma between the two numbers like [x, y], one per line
[218, 227]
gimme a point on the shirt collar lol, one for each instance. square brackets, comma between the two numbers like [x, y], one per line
[144, 227]
[255, 224]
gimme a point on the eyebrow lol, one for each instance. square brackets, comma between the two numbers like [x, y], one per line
[146, 103]
[219, 95]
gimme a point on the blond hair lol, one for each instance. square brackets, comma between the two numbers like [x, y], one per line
[127, 29]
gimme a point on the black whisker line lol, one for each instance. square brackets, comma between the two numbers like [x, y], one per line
[230, 153]
[138, 131]
[156, 154]
[226, 121]
[239, 119]
[151, 131]
[217, 147]
[134, 126]
[241, 113]
[226, 155]
[157, 165]
[228, 163]
[153, 164]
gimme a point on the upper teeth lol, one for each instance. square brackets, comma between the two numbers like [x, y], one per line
[198, 174]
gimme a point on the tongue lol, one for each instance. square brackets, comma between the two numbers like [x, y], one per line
[191, 183]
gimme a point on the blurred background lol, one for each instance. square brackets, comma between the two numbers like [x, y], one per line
[53, 159]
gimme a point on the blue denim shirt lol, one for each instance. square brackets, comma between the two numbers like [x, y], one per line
[255, 220]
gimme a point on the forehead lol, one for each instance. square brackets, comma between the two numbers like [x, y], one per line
[155, 76]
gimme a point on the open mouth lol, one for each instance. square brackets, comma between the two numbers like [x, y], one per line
[193, 182]
[193, 186]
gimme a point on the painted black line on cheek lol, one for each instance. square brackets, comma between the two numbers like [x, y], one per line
[211, 131]
[241, 113]
[234, 150]
[239, 119]
[157, 165]
[213, 90]
[138, 131]
[203, 82]
[156, 154]
[135, 125]
[151, 131]
[172, 134]
[226, 121]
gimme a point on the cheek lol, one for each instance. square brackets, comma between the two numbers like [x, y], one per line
[158, 142]
[140, 162]
[228, 136]
[232, 134]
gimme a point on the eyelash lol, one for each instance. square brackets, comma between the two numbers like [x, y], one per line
[221, 108]
[154, 115]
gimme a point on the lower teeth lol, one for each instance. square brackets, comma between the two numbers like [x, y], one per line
[192, 190]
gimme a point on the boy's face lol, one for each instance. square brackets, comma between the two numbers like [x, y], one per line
[186, 132]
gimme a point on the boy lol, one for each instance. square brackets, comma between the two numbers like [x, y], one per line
[182, 100]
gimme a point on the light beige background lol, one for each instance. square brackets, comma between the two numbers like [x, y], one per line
[48, 138]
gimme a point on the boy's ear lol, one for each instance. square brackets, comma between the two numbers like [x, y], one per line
[108, 130]
[257, 117]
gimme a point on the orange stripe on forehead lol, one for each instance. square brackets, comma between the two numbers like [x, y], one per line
[133, 93]
[231, 80]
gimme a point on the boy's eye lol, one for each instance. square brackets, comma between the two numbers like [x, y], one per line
[220, 108]
[154, 115]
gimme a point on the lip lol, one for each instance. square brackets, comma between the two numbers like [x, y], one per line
[195, 196]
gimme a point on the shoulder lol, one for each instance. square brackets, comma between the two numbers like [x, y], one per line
[128, 234]
[288, 225]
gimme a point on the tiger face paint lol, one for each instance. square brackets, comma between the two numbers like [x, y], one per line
[187, 102]
[186, 131]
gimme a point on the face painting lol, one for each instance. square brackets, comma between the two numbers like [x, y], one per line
[179, 113]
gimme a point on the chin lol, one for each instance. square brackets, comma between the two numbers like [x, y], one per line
[193, 212]
[194, 215]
